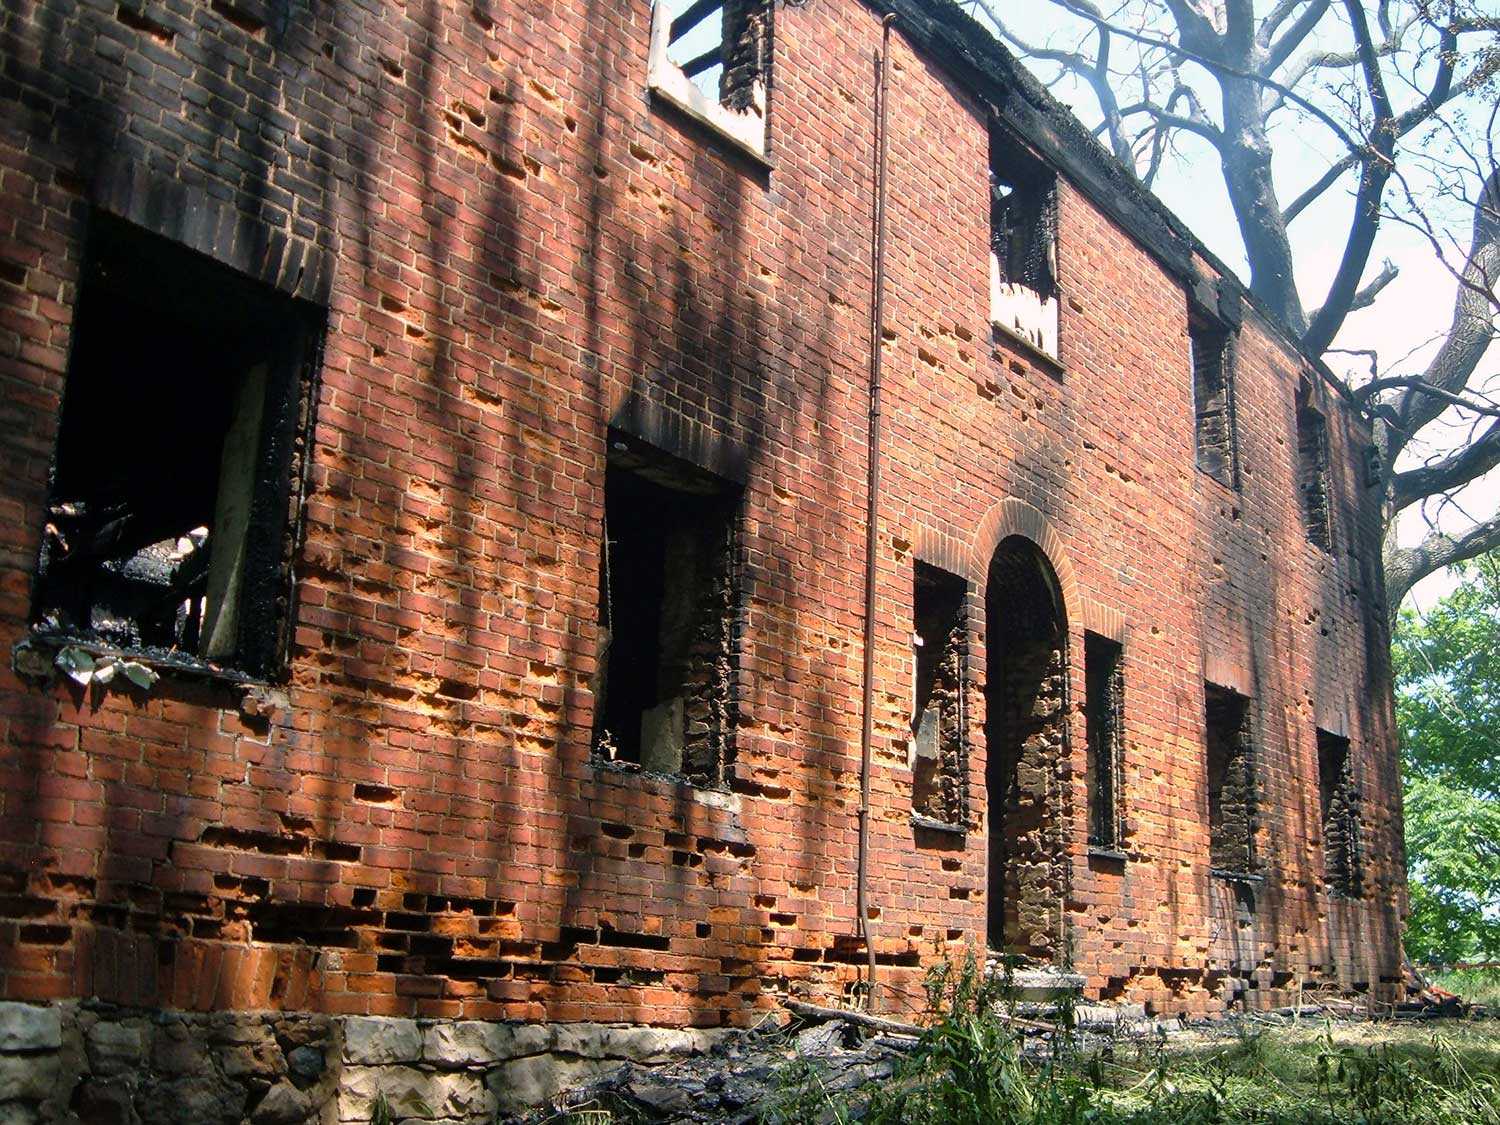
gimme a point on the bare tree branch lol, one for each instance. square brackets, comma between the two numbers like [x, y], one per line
[1376, 170]
[1406, 566]
[1468, 464]
[1472, 329]
[1311, 16]
[1440, 94]
[1365, 296]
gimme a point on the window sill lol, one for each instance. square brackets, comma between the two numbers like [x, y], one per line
[162, 661]
[1046, 360]
[668, 784]
[705, 117]
[932, 824]
[1097, 851]
[1247, 877]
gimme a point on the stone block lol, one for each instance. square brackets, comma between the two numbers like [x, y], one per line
[372, 1040]
[283, 1104]
[27, 1077]
[306, 1063]
[115, 1048]
[410, 1092]
[26, 1027]
[522, 1083]
[178, 1050]
[475, 1042]
[193, 1100]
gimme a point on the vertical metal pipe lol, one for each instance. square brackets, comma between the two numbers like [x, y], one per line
[872, 498]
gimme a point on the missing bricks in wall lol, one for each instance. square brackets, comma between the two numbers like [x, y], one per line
[1213, 400]
[1231, 778]
[1338, 805]
[939, 757]
[172, 518]
[1104, 720]
[668, 598]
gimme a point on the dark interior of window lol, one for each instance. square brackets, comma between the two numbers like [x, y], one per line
[1104, 675]
[1340, 815]
[1231, 781]
[168, 528]
[940, 764]
[1213, 401]
[1023, 216]
[668, 610]
[1312, 474]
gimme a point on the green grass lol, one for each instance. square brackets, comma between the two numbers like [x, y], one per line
[970, 1070]
[1478, 986]
[1339, 1074]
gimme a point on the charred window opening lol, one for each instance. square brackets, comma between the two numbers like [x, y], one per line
[1104, 707]
[1213, 401]
[1231, 781]
[668, 611]
[172, 517]
[1338, 804]
[939, 761]
[713, 57]
[1313, 474]
[1023, 241]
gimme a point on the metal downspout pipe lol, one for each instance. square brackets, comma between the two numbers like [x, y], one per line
[872, 497]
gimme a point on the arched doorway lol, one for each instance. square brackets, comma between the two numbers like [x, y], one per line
[1025, 734]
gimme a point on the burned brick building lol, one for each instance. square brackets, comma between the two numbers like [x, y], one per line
[439, 506]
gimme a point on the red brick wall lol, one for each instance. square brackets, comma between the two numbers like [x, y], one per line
[517, 247]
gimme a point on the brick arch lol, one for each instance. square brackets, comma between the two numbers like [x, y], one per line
[1016, 517]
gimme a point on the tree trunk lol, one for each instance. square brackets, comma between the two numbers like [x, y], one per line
[1245, 158]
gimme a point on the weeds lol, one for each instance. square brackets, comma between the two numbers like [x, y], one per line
[1477, 986]
[969, 1068]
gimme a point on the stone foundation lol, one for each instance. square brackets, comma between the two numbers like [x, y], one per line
[91, 1062]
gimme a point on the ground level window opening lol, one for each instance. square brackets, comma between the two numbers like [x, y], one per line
[668, 604]
[179, 458]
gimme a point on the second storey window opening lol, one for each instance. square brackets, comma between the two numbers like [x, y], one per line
[1213, 401]
[1023, 245]
[1104, 673]
[939, 758]
[1313, 474]
[1231, 781]
[664, 696]
[712, 58]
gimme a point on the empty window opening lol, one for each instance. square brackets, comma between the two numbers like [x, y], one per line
[713, 57]
[171, 523]
[667, 608]
[1339, 807]
[1313, 473]
[1023, 245]
[939, 759]
[1026, 740]
[1231, 781]
[1213, 401]
[1104, 715]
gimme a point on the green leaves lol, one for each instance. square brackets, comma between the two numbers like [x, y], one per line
[1447, 667]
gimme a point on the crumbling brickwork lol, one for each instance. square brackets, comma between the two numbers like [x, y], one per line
[514, 258]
